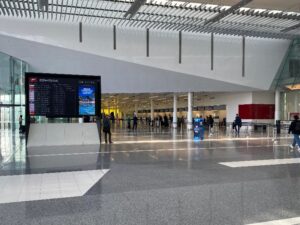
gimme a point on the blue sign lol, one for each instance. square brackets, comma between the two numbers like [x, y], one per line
[87, 105]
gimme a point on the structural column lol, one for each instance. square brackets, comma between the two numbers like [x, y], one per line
[190, 111]
[277, 105]
[296, 102]
[175, 111]
[152, 110]
[135, 108]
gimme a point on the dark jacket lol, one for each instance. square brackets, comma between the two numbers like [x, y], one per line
[238, 121]
[106, 125]
[135, 119]
[210, 121]
[295, 127]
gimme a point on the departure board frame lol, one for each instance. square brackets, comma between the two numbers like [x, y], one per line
[73, 78]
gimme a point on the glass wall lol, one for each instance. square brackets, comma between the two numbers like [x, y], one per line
[289, 72]
[290, 104]
[288, 82]
[12, 90]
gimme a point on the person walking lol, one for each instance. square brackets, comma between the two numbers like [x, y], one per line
[238, 124]
[295, 130]
[106, 128]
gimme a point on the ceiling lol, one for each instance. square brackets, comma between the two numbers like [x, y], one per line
[164, 15]
[283, 5]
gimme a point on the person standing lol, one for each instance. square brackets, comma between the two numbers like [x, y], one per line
[166, 122]
[106, 128]
[210, 122]
[295, 129]
[238, 124]
[128, 123]
[135, 121]
[20, 123]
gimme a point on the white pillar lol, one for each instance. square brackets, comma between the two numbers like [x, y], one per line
[152, 109]
[277, 105]
[296, 102]
[175, 111]
[190, 111]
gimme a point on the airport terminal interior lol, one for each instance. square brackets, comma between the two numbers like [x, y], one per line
[149, 112]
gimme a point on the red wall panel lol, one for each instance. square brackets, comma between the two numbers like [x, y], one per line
[257, 111]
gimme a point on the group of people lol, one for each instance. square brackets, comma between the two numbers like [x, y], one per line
[164, 121]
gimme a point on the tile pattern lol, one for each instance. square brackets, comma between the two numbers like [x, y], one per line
[268, 162]
[162, 177]
[290, 221]
[32, 187]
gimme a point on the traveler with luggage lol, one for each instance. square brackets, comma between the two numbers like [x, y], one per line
[295, 129]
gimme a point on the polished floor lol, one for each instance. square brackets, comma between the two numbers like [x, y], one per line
[152, 177]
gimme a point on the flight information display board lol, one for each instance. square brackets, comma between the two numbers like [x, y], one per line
[60, 95]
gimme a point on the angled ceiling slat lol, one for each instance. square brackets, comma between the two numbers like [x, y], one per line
[17, 8]
[33, 7]
[93, 11]
[28, 7]
[12, 9]
[2, 9]
[6, 8]
[171, 16]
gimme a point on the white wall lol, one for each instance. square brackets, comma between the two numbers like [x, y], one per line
[263, 97]
[60, 134]
[116, 76]
[263, 56]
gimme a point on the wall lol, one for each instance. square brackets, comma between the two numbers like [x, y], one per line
[232, 102]
[263, 97]
[59, 134]
[263, 56]
[116, 76]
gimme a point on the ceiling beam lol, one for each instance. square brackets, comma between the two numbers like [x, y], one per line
[43, 5]
[225, 13]
[134, 8]
[291, 28]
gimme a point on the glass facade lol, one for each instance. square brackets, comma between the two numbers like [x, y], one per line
[12, 91]
[288, 81]
[289, 72]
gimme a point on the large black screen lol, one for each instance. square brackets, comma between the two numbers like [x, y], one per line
[60, 95]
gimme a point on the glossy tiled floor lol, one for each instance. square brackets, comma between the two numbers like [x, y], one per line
[155, 177]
